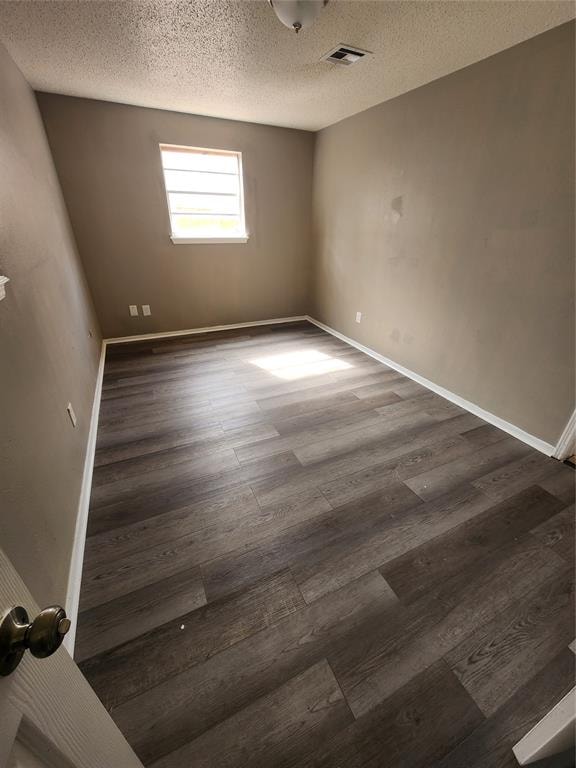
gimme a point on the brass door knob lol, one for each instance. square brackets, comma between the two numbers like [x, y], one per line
[42, 637]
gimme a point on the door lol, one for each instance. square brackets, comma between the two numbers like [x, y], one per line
[49, 715]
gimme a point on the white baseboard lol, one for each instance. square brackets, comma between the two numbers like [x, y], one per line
[207, 329]
[552, 735]
[77, 558]
[567, 443]
[506, 426]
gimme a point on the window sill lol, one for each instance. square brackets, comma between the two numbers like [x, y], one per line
[207, 240]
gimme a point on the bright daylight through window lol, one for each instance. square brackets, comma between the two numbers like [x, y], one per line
[204, 193]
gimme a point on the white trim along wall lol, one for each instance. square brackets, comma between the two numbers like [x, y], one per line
[566, 446]
[77, 557]
[491, 418]
[560, 451]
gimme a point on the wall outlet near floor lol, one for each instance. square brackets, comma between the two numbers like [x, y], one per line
[358, 317]
[146, 310]
[133, 309]
[71, 414]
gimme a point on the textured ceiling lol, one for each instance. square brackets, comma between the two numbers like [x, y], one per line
[234, 59]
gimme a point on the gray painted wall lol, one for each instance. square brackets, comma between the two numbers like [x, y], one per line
[109, 166]
[446, 217]
[47, 356]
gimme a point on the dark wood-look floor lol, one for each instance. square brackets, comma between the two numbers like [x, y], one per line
[341, 569]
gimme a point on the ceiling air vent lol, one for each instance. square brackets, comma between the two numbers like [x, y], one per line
[344, 55]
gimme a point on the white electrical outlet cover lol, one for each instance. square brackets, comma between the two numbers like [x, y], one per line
[146, 310]
[133, 309]
[358, 316]
[71, 414]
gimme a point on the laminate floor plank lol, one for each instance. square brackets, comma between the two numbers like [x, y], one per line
[297, 556]
[181, 708]
[378, 476]
[558, 533]
[144, 559]
[336, 445]
[276, 730]
[490, 744]
[154, 424]
[469, 600]
[290, 418]
[424, 568]
[411, 432]
[168, 526]
[136, 613]
[336, 530]
[230, 522]
[279, 385]
[409, 388]
[484, 435]
[395, 444]
[112, 394]
[190, 638]
[406, 406]
[221, 378]
[332, 430]
[145, 503]
[164, 476]
[164, 374]
[183, 453]
[517, 475]
[497, 660]
[441, 479]
[294, 403]
[291, 424]
[561, 483]
[395, 532]
[390, 383]
[160, 440]
[413, 728]
[149, 465]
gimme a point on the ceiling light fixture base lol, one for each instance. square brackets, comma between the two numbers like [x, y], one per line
[297, 14]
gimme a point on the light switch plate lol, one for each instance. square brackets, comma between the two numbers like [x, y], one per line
[146, 310]
[133, 309]
[358, 317]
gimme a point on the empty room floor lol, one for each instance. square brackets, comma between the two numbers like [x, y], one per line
[298, 557]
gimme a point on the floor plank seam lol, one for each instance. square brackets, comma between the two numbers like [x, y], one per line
[345, 698]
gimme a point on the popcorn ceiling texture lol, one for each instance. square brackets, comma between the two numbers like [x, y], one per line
[234, 59]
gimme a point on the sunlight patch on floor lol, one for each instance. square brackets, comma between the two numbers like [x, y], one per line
[299, 365]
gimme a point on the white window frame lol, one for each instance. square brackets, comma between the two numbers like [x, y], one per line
[219, 239]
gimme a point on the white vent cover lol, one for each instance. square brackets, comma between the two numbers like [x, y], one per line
[345, 55]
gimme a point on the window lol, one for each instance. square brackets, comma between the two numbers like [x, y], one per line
[205, 195]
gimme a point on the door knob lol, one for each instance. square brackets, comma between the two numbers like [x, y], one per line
[42, 637]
